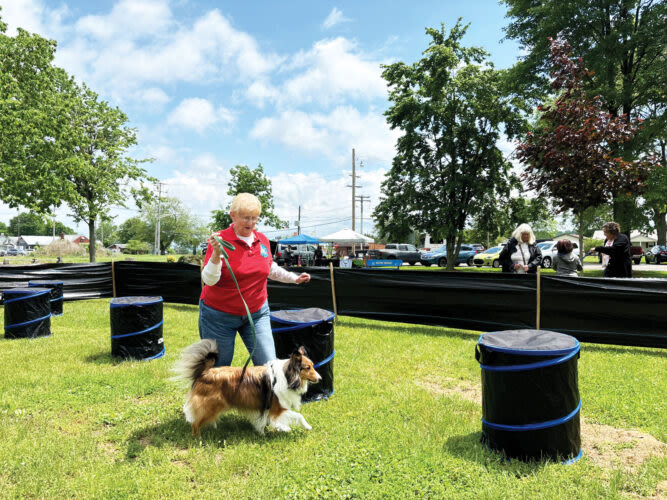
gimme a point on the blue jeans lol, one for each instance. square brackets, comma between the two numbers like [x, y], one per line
[222, 328]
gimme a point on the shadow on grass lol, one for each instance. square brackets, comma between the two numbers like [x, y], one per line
[182, 307]
[232, 430]
[432, 331]
[470, 448]
[103, 358]
[622, 349]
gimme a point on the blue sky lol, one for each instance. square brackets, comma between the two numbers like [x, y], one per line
[292, 85]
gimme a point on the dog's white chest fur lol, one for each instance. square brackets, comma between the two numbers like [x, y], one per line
[290, 399]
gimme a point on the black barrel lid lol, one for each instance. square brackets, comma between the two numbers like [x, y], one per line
[310, 315]
[527, 341]
[134, 301]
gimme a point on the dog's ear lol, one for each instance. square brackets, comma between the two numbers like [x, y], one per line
[293, 371]
[302, 351]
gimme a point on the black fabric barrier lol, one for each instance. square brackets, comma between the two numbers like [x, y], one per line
[174, 282]
[313, 329]
[607, 310]
[613, 311]
[80, 281]
[530, 394]
[27, 313]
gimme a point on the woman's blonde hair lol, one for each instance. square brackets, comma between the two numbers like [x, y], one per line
[523, 228]
[246, 203]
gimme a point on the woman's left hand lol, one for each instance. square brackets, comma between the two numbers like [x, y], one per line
[303, 278]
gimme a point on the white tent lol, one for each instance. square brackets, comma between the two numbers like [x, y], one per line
[347, 237]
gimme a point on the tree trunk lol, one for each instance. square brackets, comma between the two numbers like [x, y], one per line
[660, 221]
[91, 236]
[580, 216]
[451, 249]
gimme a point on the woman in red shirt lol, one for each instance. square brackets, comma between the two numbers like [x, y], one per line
[221, 310]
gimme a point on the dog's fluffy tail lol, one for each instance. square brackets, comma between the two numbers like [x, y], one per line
[195, 360]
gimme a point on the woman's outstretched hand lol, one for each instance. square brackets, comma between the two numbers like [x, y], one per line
[303, 278]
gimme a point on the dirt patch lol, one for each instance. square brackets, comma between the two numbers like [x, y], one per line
[108, 448]
[610, 447]
[606, 446]
[454, 387]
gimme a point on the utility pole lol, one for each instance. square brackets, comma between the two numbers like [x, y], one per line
[298, 224]
[354, 186]
[157, 223]
[362, 199]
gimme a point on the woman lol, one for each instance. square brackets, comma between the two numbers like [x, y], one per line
[221, 310]
[616, 254]
[521, 255]
[565, 262]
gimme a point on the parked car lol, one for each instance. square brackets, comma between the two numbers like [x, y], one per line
[637, 254]
[488, 257]
[549, 251]
[478, 247]
[15, 251]
[393, 251]
[439, 256]
[304, 252]
[656, 254]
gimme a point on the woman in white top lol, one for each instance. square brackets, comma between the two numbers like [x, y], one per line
[521, 255]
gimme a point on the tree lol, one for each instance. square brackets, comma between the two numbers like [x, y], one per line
[570, 154]
[177, 225]
[452, 108]
[134, 228]
[27, 223]
[98, 171]
[32, 121]
[621, 41]
[253, 181]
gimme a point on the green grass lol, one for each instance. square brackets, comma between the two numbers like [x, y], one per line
[76, 423]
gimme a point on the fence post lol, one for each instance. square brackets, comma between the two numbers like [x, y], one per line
[113, 277]
[333, 291]
[539, 294]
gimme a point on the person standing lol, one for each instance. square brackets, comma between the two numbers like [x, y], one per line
[565, 262]
[221, 310]
[317, 255]
[616, 253]
[521, 255]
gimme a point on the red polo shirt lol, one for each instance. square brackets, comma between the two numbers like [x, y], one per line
[251, 266]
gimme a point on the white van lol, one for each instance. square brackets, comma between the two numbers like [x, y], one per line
[549, 251]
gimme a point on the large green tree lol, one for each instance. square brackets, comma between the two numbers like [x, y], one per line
[99, 173]
[621, 41]
[253, 181]
[135, 228]
[32, 121]
[34, 224]
[452, 109]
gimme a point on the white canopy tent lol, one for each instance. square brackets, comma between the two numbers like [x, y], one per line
[347, 237]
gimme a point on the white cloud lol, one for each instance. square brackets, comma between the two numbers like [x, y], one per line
[153, 97]
[33, 16]
[332, 134]
[332, 71]
[129, 19]
[335, 17]
[199, 114]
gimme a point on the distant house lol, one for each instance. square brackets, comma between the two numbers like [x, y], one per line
[574, 238]
[637, 238]
[30, 242]
[117, 247]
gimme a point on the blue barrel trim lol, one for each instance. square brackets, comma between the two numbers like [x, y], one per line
[530, 366]
[15, 325]
[138, 333]
[325, 360]
[298, 325]
[534, 427]
[573, 459]
[158, 355]
[506, 350]
[114, 305]
[24, 297]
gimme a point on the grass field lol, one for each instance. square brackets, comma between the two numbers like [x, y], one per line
[404, 422]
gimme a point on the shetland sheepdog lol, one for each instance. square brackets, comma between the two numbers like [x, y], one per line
[269, 395]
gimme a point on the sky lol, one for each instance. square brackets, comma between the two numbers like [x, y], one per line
[292, 85]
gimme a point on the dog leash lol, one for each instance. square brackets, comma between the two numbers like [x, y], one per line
[225, 257]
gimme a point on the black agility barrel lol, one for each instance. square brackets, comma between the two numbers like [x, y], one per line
[56, 298]
[530, 394]
[27, 312]
[312, 328]
[136, 328]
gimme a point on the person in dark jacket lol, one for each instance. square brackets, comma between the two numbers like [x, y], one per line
[521, 255]
[616, 254]
[317, 255]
